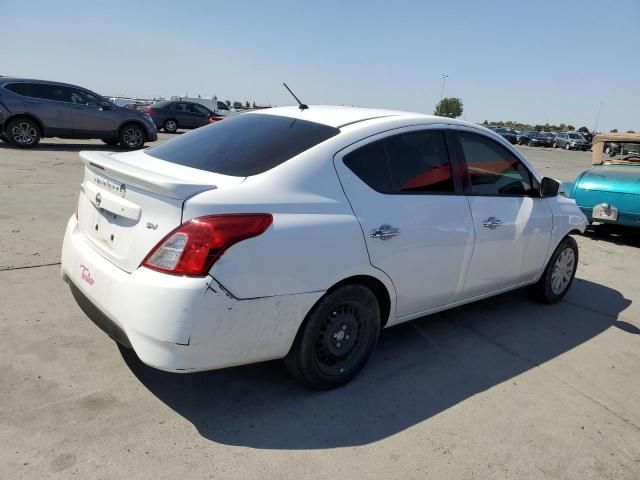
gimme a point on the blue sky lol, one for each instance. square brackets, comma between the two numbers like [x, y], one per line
[535, 61]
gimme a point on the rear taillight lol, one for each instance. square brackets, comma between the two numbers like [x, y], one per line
[150, 111]
[193, 247]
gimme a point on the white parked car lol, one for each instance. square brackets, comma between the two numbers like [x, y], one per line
[299, 234]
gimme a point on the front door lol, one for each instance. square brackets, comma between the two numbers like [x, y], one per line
[89, 119]
[512, 222]
[415, 218]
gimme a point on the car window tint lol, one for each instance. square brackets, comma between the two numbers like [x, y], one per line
[418, 162]
[181, 107]
[222, 106]
[200, 109]
[492, 168]
[19, 88]
[408, 163]
[370, 165]
[84, 98]
[243, 145]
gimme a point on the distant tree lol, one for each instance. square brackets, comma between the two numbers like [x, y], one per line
[630, 131]
[228, 102]
[583, 130]
[538, 128]
[247, 104]
[237, 104]
[615, 130]
[254, 104]
[571, 127]
[449, 107]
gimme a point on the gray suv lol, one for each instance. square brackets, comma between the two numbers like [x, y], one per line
[571, 141]
[33, 109]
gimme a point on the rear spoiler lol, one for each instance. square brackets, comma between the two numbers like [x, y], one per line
[102, 163]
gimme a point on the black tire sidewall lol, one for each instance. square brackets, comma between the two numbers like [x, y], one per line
[545, 292]
[302, 357]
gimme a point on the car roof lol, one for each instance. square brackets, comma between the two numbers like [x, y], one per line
[4, 80]
[341, 116]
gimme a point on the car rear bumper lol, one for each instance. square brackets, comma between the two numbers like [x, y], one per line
[179, 323]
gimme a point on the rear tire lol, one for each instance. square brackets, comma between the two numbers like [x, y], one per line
[336, 339]
[132, 136]
[23, 133]
[170, 126]
[559, 273]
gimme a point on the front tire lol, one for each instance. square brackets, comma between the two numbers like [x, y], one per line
[23, 133]
[132, 136]
[567, 146]
[336, 339]
[559, 274]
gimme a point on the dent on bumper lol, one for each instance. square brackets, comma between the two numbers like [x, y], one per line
[183, 324]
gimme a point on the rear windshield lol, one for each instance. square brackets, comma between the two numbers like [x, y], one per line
[244, 145]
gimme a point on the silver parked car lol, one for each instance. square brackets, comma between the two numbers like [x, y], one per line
[571, 141]
[33, 109]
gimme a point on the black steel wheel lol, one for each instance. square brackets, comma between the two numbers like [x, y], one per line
[337, 338]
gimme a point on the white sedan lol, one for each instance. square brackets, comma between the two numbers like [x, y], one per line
[300, 234]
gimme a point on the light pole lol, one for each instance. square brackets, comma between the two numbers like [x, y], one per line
[597, 118]
[444, 78]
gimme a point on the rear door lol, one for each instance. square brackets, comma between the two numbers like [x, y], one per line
[49, 103]
[184, 114]
[407, 196]
[512, 222]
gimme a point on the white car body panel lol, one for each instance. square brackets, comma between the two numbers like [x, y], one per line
[251, 305]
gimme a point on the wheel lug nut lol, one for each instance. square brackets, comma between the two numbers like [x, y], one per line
[344, 327]
[335, 335]
[338, 344]
[347, 337]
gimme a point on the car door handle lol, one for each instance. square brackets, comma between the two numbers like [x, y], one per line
[384, 232]
[492, 223]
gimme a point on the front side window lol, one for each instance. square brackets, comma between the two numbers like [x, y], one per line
[493, 170]
[84, 98]
[222, 106]
[408, 163]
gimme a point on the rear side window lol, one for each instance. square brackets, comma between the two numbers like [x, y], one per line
[243, 145]
[41, 90]
[408, 163]
[494, 170]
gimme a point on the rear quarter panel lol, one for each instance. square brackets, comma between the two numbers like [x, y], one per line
[314, 242]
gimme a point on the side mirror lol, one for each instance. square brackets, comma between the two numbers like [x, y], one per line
[549, 187]
[106, 106]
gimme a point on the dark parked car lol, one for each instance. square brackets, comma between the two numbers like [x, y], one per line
[571, 141]
[33, 109]
[535, 139]
[171, 115]
[507, 133]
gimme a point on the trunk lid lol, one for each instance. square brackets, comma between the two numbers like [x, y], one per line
[130, 201]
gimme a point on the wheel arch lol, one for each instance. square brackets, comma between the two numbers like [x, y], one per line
[132, 122]
[378, 288]
[30, 116]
